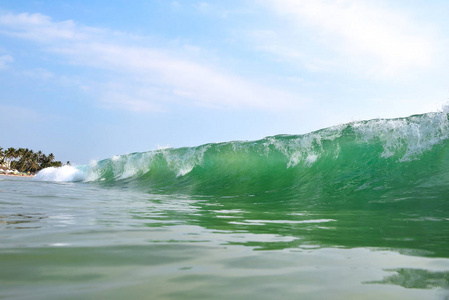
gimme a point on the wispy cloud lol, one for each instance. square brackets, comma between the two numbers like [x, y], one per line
[4, 60]
[11, 113]
[39, 27]
[202, 6]
[144, 77]
[39, 73]
[362, 36]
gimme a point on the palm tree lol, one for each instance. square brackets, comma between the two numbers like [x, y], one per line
[2, 157]
[38, 156]
[10, 153]
[33, 164]
[26, 160]
[49, 161]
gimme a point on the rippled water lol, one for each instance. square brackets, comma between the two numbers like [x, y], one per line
[91, 241]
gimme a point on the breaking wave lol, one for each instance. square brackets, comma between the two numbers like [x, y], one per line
[380, 158]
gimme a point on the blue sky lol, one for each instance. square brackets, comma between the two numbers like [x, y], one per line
[86, 80]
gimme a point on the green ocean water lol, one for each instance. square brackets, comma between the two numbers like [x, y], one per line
[355, 211]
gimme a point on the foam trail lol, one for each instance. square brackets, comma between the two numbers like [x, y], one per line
[64, 173]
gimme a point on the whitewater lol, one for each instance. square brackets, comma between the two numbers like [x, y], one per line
[354, 211]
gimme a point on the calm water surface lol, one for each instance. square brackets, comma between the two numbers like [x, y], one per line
[93, 241]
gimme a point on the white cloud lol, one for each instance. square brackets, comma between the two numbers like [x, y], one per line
[41, 28]
[366, 37]
[124, 101]
[288, 50]
[161, 74]
[4, 60]
[202, 5]
[176, 4]
[173, 78]
[39, 73]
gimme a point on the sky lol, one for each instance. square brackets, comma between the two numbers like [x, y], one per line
[87, 80]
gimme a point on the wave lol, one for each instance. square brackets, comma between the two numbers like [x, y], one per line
[64, 173]
[395, 157]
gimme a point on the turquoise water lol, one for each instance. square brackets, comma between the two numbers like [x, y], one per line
[355, 211]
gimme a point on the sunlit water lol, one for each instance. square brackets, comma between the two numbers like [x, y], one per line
[93, 241]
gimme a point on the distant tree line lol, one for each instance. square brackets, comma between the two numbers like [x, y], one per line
[26, 160]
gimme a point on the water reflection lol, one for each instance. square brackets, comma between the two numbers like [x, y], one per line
[397, 226]
[116, 243]
[22, 221]
[416, 279]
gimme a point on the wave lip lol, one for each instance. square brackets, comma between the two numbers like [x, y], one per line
[61, 174]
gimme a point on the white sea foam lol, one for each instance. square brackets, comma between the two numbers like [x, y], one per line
[129, 165]
[183, 163]
[305, 148]
[64, 173]
[411, 136]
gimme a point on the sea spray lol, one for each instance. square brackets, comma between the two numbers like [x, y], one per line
[64, 173]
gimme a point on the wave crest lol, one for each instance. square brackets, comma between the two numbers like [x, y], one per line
[377, 156]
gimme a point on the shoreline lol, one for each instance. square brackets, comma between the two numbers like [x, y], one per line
[17, 175]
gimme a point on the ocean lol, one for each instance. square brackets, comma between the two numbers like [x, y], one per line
[354, 211]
